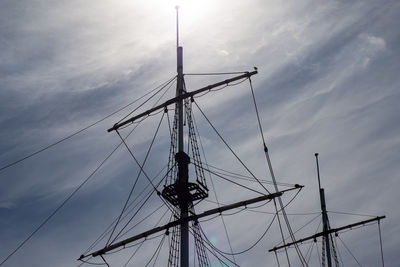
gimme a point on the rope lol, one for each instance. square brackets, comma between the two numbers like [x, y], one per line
[157, 249]
[307, 223]
[281, 231]
[142, 220]
[274, 180]
[148, 99]
[123, 228]
[212, 251]
[145, 174]
[349, 213]
[233, 182]
[245, 177]
[340, 257]
[87, 179]
[137, 178]
[134, 253]
[247, 249]
[335, 257]
[60, 206]
[88, 262]
[380, 242]
[107, 230]
[76, 132]
[130, 258]
[349, 251]
[104, 260]
[227, 145]
[215, 73]
[309, 250]
[277, 260]
[212, 184]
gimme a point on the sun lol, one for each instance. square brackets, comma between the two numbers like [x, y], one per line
[190, 11]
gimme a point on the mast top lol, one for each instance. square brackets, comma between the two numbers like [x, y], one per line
[319, 179]
[177, 25]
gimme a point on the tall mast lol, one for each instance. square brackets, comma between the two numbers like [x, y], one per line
[179, 85]
[325, 221]
[180, 192]
[181, 157]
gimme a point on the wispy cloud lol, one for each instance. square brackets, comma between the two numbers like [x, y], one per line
[328, 82]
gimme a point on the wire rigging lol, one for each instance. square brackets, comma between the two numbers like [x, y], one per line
[233, 182]
[274, 180]
[215, 192]
[214, 73]
[213, 251]
[380, 242]
[88, 178]
[223, 140]
[137, 249]
[105, 260]
[108, 229]
[157, 250]
[137, 177]
[243, 177]
[80, 130]
[161, 87]
[349, 213]
[306, 224]
[348, 250]
[61, 205]
[134, 253]
[142, 220]
[250, 247]
[340, 256]
[262, 236]
[123, 142]
[141, 206]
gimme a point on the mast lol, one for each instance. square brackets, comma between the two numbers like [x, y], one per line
[181, 157]
[325, 220]
[180, 192]
[327, 230]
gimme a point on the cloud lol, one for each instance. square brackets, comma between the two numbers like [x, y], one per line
[328, 82]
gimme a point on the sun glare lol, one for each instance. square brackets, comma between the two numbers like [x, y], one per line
[190, 11]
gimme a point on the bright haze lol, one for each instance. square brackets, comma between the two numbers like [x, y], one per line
[328, 82]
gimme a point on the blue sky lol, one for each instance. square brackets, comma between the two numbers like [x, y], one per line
[328, 82]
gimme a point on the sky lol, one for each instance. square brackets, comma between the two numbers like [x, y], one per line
[328, 82]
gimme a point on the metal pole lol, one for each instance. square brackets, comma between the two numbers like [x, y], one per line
[182, 158]
[325, 221]
[380, 242]
[177, 25]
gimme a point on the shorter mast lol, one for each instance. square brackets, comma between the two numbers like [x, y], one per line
[330, 231]
[325, 220]
[327, 230]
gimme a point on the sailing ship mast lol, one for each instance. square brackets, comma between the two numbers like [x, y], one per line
[325, 220]
[181, 193]
[182, 158]
[327, 231]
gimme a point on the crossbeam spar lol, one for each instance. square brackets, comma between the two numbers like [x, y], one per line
[186, 219]
[333, 230]
[179, 98]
